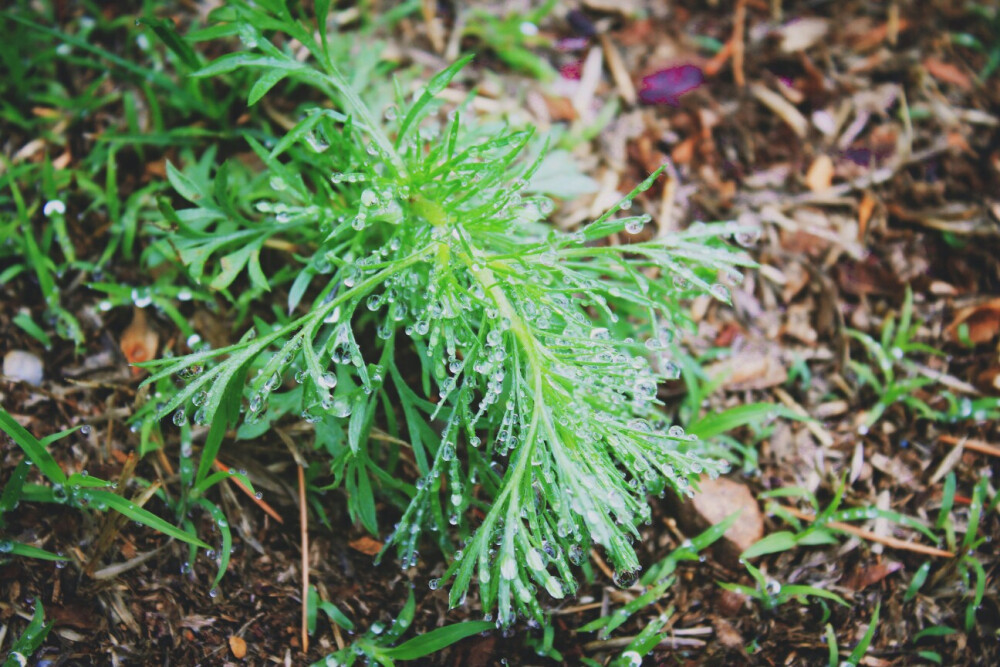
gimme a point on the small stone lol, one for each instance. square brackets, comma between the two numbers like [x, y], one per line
[23, 366]
[715, 500]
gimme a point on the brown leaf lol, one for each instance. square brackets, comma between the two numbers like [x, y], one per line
[866, 575]
[982, 322]
[752, 367]
[369, 546]
[238, 646]
[715, 500]
[866, 277]
[947, 73]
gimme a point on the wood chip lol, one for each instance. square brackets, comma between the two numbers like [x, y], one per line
[783, 108]
[590, 77]
[619, 72]
[820, 174]
[800, 34]
[981, 322]
[752, 367]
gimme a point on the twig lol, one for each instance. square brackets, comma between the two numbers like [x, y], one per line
[602, 565]
[716, 62]
[618, 71]
[304, 522]
[577, 608]
[619, 642]
[974, 445]
[872, 537]
[739, 48]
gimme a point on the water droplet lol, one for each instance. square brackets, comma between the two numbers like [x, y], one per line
[328, 380]
[634, 225]
[141, 298]
[179, 418]
[720, 292]
[54, 207]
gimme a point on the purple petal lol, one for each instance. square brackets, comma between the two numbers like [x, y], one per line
[667, 85]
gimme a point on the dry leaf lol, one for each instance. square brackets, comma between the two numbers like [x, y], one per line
[715, 500]
[820, 174]
[982, 322]
[139, 340]
[238, 646]
[867, 575]
[947, 73]
[752, 367]
[369, 546]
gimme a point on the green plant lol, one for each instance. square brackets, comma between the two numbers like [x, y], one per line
[531, 405]
[897, 378]
[441, 305]
[513, 36]
[376, 645]
[29, 641]
[965, 572]
[79, 490]
[990, 17]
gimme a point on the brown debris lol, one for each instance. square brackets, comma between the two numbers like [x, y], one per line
[715, 500]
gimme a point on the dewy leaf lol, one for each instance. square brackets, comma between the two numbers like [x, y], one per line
[266, 81]
[141, 515]
[32, 448]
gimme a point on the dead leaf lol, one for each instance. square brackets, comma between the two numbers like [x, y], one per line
[752, 367]
[369, 546]
[139, 340]
[820, 174]
[947, 73]
[238, 646]
[715, 500]
[867, 575]
[981, 322]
